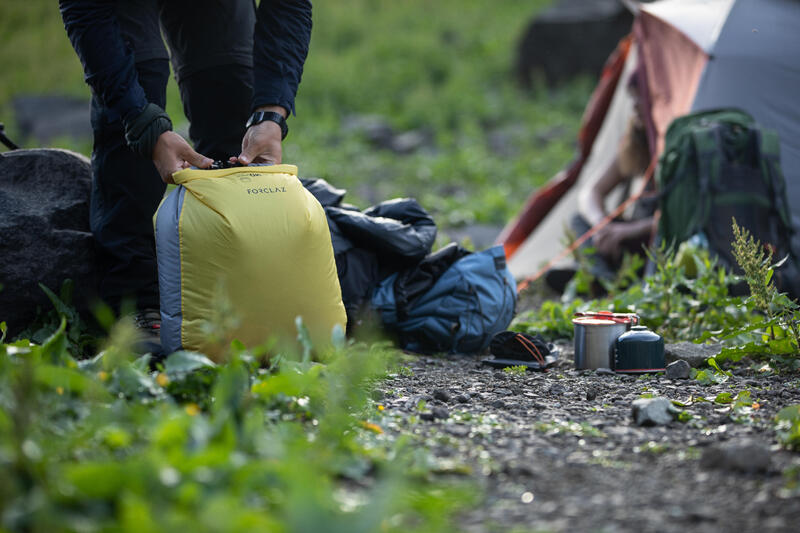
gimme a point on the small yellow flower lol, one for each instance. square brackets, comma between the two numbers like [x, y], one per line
[192, 409]
[380, 408]
[103, 375]
[60, 390]
[375, 428]
[162, 379]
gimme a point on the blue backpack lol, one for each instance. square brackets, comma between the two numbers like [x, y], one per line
[452, 301]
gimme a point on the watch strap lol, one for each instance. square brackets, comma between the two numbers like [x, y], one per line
[261, 116]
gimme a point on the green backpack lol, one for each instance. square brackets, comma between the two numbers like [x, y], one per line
[718, 165]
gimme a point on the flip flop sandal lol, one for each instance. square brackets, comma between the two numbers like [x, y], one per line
[519, 349]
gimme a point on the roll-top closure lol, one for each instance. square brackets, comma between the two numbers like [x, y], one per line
[191, 174]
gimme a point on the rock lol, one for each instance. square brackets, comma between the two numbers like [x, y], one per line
[409, 142]
[480, 235]
[458, 430]
[499, 404]
[42, 118]
[653, 411]
[742, 455]
[462, 398]
[378, 395]
[375, 129]
[441, 395]
[571, 37]
[440, 413]
[591, 393]
[694, 354]
[605, 372]
[678, 369]
[557, 390]
[44, 223]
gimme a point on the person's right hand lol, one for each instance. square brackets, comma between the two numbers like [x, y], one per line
[172, 153]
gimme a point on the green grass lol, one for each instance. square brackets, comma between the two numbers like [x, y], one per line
[443, 67]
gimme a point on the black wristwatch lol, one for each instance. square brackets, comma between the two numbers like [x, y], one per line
[260, 116]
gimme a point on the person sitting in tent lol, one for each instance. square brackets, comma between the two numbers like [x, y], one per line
[621, 235]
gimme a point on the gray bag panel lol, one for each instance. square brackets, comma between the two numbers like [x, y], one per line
[168, 252]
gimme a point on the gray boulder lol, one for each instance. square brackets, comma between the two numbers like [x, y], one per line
[569, 38]
[44, 224]
[44, 117]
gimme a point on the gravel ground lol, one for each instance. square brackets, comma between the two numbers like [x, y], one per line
[560, 450]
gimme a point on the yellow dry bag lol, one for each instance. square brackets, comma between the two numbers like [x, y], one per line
[241, 253]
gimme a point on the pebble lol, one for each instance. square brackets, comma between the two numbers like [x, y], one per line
[652, 411]
[441, 395]
[500, 404]
[557, 390]
[604, 372]
[591, 393]
[458, 430]
[742, 455]
[441, 413]
[678, 369]
[462, 398]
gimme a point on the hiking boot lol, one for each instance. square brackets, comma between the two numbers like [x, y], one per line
[148, 324]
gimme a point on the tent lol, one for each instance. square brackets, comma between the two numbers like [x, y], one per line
[686, 55]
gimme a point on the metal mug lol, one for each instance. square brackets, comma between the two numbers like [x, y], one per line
[595, 339]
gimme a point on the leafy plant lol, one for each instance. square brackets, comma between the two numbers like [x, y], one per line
[787, 426]
[669, 301]
[711, 376]
[107, 443]
[516, 370]
[772, 328]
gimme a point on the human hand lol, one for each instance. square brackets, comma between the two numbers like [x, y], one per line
[261, 144]
[608, 239]
[172, 153]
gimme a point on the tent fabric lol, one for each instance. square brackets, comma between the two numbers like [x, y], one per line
[693, 55]
[699, 20]
[755, 66]
[540, 203]
[670, 69]
[548, 238]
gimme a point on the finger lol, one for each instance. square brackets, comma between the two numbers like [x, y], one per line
[250, 154]
[198, 160]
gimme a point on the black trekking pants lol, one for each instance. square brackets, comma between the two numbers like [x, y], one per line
[214, 73]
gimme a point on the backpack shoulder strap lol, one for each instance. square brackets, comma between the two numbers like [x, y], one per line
[769, 148]
[707, 141]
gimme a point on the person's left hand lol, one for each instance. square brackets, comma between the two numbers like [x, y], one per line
[608, 239]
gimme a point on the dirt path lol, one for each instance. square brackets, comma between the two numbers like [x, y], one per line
[560, 451]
